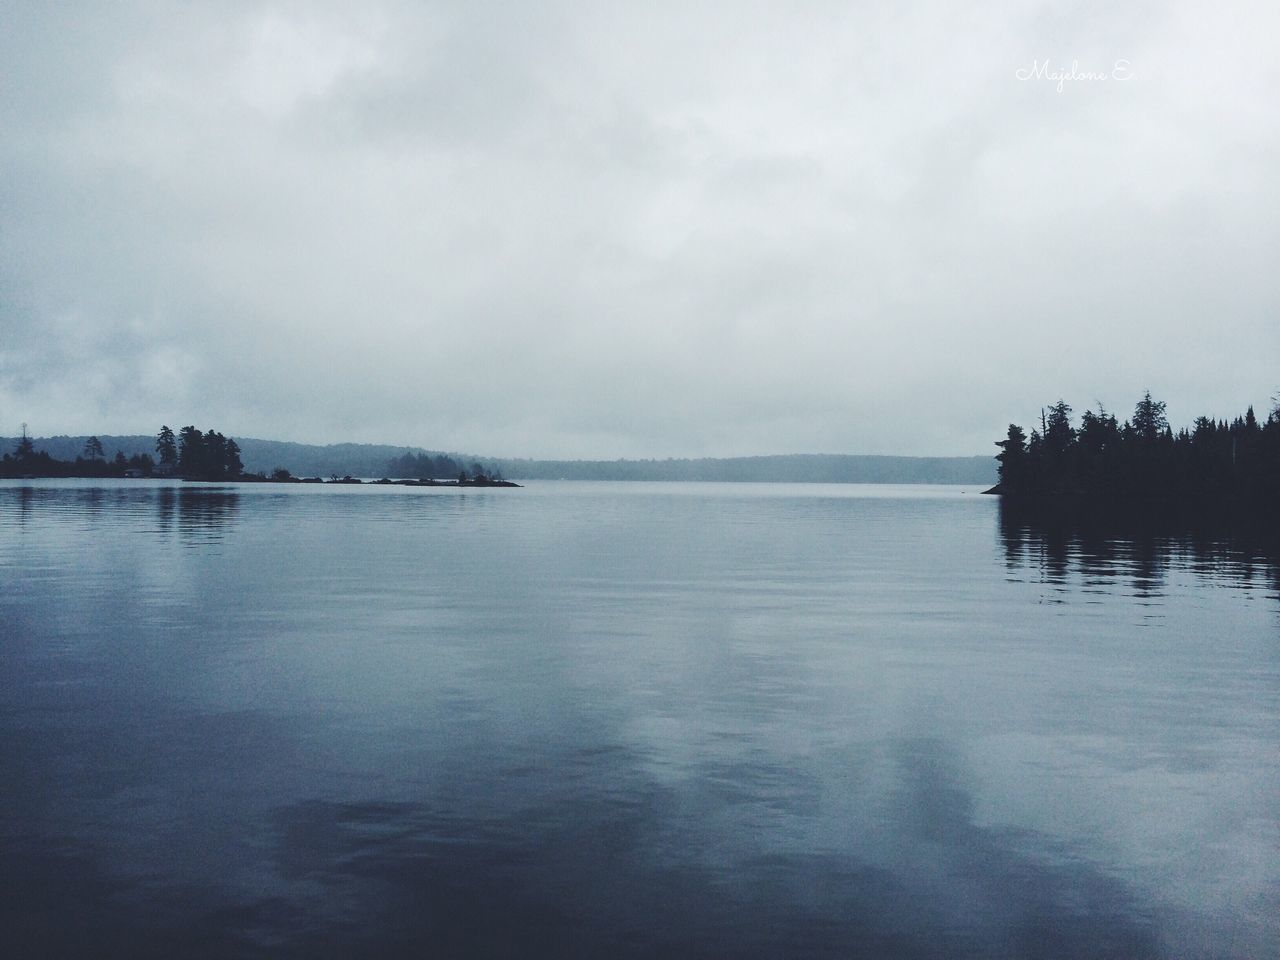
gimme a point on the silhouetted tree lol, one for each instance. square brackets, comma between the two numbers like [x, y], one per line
[1098, 453]
[1013, 460]
[215, 454]
[1058, 432]
[166, 447]
[231, 459]
[191, 460]
[1148, 418]
[93, 449]
[25, 449]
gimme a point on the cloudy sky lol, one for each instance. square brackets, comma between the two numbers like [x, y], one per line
[593, 230]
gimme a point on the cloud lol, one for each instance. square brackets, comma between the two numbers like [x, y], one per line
[677, 230]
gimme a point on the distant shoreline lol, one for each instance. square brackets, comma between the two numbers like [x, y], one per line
[373, 460]
[256, 478]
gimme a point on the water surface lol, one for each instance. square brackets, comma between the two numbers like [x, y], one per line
[629, 720]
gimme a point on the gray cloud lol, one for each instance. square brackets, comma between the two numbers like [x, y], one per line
[573, 231]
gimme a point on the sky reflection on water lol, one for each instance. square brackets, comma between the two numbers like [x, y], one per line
[637, 720]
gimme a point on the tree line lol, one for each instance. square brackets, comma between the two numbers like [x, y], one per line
[26, 461]
[426, 466]
[192, 454]
[198, 455]
[1143, 456]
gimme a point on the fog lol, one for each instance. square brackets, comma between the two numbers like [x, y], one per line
[684, 229]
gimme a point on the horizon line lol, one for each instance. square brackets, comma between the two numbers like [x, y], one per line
[536, 459]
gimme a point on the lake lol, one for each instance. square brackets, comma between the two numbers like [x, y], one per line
[580, 719]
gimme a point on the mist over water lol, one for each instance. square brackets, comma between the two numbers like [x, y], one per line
[630, 720]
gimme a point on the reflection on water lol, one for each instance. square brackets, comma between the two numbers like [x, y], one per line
[1141, 545]
[579, 874]
[198, 512]
[203, 513]
[629, 720]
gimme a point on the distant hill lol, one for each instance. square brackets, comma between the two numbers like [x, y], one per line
[308, 460]
[786, 468]
[371, 459]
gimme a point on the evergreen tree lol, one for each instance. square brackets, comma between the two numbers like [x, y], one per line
[25, 449]
[166, 447]
[1013, 460]
[191, 461]
[1148, 418]
[215, 456]
[231, 459]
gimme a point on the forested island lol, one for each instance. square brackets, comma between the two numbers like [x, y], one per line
[1143, 458]
[194, 454]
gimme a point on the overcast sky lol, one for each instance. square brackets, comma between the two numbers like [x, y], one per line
[584, 230]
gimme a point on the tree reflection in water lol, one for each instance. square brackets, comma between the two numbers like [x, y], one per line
[203, 513]
[1139, 544]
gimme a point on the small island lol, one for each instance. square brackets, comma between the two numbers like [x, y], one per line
[1143, 459]
[198, 455]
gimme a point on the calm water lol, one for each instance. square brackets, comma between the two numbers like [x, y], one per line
[628, 719]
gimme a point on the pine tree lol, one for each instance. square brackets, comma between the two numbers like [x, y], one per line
[25, 449]
[166, 447]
